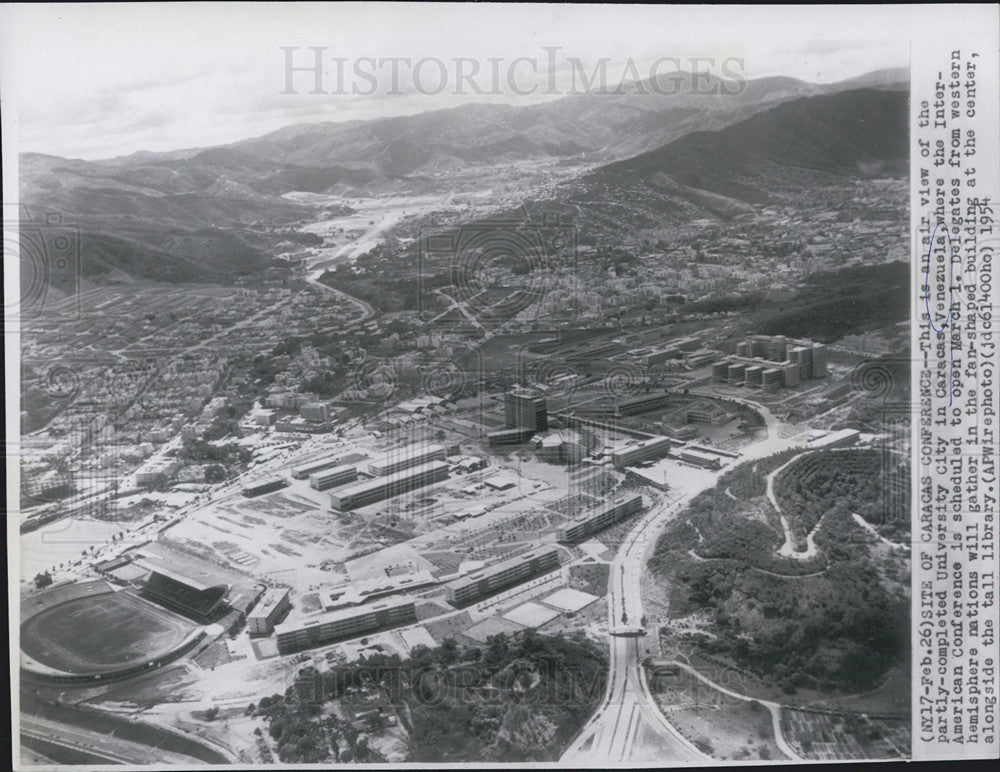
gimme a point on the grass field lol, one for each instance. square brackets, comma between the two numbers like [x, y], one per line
[92, 634]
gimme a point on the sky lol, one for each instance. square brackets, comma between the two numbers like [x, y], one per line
[96, 81]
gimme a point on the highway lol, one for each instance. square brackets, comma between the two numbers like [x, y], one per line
[610, 735]
[114, 749]
[628, 704]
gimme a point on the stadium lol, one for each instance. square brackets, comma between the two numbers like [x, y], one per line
[90, 631]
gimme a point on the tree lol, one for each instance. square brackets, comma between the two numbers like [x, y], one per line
[43, 579]
[215, 473]
[496, 649]
[448, 651]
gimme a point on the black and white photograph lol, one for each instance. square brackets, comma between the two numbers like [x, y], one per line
[398, 384]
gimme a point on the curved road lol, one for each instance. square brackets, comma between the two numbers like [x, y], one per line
[628, 704]
[610, 734]
[367, 311]
[115, 749]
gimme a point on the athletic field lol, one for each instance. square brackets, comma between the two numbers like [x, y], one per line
[101, 632]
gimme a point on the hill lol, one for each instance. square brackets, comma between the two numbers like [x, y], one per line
[617, 122]
[201, 218]
[861, 132]
[834, 621]
[205, 213]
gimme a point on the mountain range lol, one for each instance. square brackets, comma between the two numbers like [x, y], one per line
[209, 213]
[859, 132]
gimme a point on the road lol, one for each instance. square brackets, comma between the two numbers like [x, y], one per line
[454, 304]
[350, 251]
[114, 749]
[628, 704]
[773, 707]
[609, 737]
[243, 323]
[367, 311]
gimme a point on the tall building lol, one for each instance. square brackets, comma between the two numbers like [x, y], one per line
[818, 360]
[772, 379]
[760, 356]
[268, 611]
[777, 348]
[802, 356]
[526, 409]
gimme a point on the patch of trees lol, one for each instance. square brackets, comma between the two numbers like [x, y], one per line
[820, 483]
[746, 301]
[519, 698]
[840, 303]
[301, 237]
[215, 473]
[202, 452]
[325, 384]
[839, 631]
[833, 623]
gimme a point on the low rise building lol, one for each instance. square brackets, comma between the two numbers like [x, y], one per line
[397, 460]
[592, 522]
[644, 450]
[699, 458]
[302, 471]
[509, 437]
[344, 623]
[490, 580]
[381, 488]
[260, 487]
[331, 478]
[268, 612]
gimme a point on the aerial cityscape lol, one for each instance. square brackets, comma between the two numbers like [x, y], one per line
[573, 431]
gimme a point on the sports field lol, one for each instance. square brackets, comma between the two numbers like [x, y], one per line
[97, 633]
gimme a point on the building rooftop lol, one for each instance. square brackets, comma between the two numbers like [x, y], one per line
[351, 490]
[497, 568]
[358, 592]
[350, 612]
[270, 599]
[408, 452]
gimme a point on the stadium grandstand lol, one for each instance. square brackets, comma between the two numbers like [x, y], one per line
[182, 593]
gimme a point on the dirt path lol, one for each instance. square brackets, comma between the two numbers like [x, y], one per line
[787, 549]
[773, 707]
